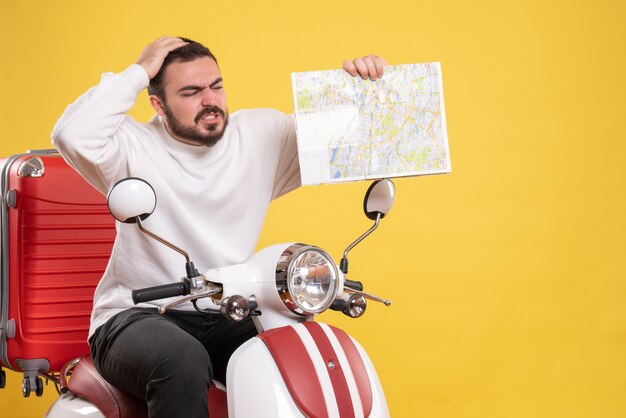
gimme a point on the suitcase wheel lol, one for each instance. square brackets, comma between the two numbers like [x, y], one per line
[26, 387]
[39, 386]
[3, 379]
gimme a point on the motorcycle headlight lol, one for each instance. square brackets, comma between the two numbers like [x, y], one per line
[306, 279]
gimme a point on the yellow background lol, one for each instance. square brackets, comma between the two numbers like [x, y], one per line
[507, 276]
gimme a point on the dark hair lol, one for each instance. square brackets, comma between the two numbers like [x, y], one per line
[192, 51]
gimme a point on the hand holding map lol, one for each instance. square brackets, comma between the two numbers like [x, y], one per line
[351, 129]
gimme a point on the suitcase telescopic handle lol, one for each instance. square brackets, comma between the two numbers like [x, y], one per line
[160, 292]
[47, 151]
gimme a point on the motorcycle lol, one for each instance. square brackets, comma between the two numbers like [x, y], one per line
[294, 367]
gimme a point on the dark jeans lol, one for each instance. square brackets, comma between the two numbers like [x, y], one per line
[169, 359]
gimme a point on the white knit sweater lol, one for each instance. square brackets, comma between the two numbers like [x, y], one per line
[210, 201]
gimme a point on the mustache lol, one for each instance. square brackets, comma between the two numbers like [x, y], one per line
[207, 110]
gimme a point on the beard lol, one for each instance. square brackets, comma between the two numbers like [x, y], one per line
[194, 133]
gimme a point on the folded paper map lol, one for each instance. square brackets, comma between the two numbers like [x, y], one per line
[351, 129]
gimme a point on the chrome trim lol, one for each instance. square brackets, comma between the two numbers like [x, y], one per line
[362, 237]
[282, 269]
[32, 167]
[161, 240]
[369, 296]
[66, 371]
[355, 306]
[208, 290]
[235, 308]
[4, 256]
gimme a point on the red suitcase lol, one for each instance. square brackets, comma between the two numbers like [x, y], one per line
[57, 236]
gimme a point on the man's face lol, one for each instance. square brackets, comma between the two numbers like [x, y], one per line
[194, 108]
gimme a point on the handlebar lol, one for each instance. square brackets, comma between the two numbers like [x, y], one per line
[352, 284]
[160, 292]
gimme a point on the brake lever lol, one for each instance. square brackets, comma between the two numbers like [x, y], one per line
[367, 295]
[209, 289]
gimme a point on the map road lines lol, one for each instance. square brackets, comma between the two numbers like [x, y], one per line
[351, 129]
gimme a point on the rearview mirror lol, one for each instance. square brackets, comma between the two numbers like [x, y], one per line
[377, 203]
[379, 199]
[131, 198]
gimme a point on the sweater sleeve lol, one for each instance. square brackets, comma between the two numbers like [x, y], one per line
[91, 134]
[288, 172]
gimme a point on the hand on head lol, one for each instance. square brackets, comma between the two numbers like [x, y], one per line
[153, 55]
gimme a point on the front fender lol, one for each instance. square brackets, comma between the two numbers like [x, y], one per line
[309, 367]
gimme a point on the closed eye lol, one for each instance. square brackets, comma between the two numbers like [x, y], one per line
[217, 84]
[191, 90]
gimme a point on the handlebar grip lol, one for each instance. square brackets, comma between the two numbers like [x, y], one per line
[339, 305]
[160, 292]
[352, 284]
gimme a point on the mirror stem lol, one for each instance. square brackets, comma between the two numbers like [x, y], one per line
[161, 240]
[344, 261]
[189, 267]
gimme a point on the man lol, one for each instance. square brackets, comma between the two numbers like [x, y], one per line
[214, 174]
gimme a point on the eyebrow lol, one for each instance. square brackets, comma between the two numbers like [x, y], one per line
[192, 87]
